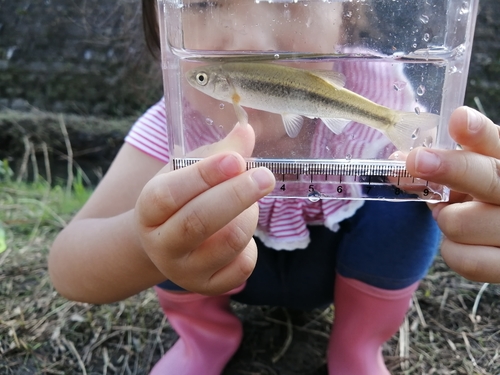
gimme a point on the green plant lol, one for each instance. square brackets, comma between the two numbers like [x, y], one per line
[6, 172]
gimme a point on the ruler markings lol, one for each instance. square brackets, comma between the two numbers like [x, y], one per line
[310, 167]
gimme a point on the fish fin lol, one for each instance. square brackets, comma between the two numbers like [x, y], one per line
[241, 114]
[413, 130]
[336, 125]
[293, 124]
[331, 76]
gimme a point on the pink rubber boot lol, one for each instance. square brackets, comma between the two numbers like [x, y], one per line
[209, 333]
[365, 318]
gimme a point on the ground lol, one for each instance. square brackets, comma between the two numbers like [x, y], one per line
[453, 326]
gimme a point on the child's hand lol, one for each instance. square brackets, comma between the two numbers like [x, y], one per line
[471, 220]
[196, 223]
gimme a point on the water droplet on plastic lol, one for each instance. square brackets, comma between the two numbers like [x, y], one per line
[464, 9]
[427, 142]
[276, 56]
[415, 134]
[399, 85]
[414, 45]
[221, 105]
[417, 110]
[424, 19]
[348, 14]
[348, 157]
[285, 5]
[209, 121]
[421, 90]
[221, 127]
[327, 148]
[426, 37]
[314, 196]
[460, 50]
[452, 69]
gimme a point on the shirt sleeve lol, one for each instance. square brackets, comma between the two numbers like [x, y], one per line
[149, 133]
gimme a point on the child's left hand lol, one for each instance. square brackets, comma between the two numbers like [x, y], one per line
[470, 221]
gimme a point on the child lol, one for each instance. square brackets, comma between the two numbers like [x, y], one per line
[191, 232]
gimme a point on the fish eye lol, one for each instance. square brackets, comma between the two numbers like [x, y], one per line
[202, 79]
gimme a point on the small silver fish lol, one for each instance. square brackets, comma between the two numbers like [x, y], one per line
[296, 93]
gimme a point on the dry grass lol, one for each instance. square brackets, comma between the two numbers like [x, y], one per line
[42, 333]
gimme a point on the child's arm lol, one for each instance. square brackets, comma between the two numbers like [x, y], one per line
[471, 220]
[144, 224]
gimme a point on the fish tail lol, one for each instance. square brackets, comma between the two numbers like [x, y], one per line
[413, 130]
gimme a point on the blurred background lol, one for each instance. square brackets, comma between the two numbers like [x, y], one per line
[82, 57]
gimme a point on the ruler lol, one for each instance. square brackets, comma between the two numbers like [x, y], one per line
[315, 179]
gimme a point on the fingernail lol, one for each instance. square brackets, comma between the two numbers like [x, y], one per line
[230, 165]
[263, 178]
[426, 161]
[474, 121]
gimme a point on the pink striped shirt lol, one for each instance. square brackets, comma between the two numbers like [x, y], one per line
[283, 223]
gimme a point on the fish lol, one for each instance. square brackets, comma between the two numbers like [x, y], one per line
[296, 94]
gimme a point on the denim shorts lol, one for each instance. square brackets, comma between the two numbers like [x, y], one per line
[385, 244]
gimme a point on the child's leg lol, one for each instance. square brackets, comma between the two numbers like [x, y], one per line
[386, 249]
[209, 333]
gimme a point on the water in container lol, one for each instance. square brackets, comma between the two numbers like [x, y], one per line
[336, 92]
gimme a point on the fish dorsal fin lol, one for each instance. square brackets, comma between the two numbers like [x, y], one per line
[336, 125]
[331, 76]
[293, 124]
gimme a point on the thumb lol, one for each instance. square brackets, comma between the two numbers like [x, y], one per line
[240, 139]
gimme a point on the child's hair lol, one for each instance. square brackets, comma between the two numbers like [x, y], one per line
[150, 26]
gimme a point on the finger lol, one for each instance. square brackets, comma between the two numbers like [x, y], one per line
[462, 171]
[475, 132]
[166, 193]
[455, 197]
[223, 261]
[209, 212]
[236, 272]
[425, 190]
[476, 263]
[240, 139]
[217, 252]
[473, 223]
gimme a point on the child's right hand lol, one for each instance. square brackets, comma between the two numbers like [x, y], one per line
[196, 223]
[145, 223]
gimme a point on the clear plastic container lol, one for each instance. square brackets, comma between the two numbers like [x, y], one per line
[334, 90]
